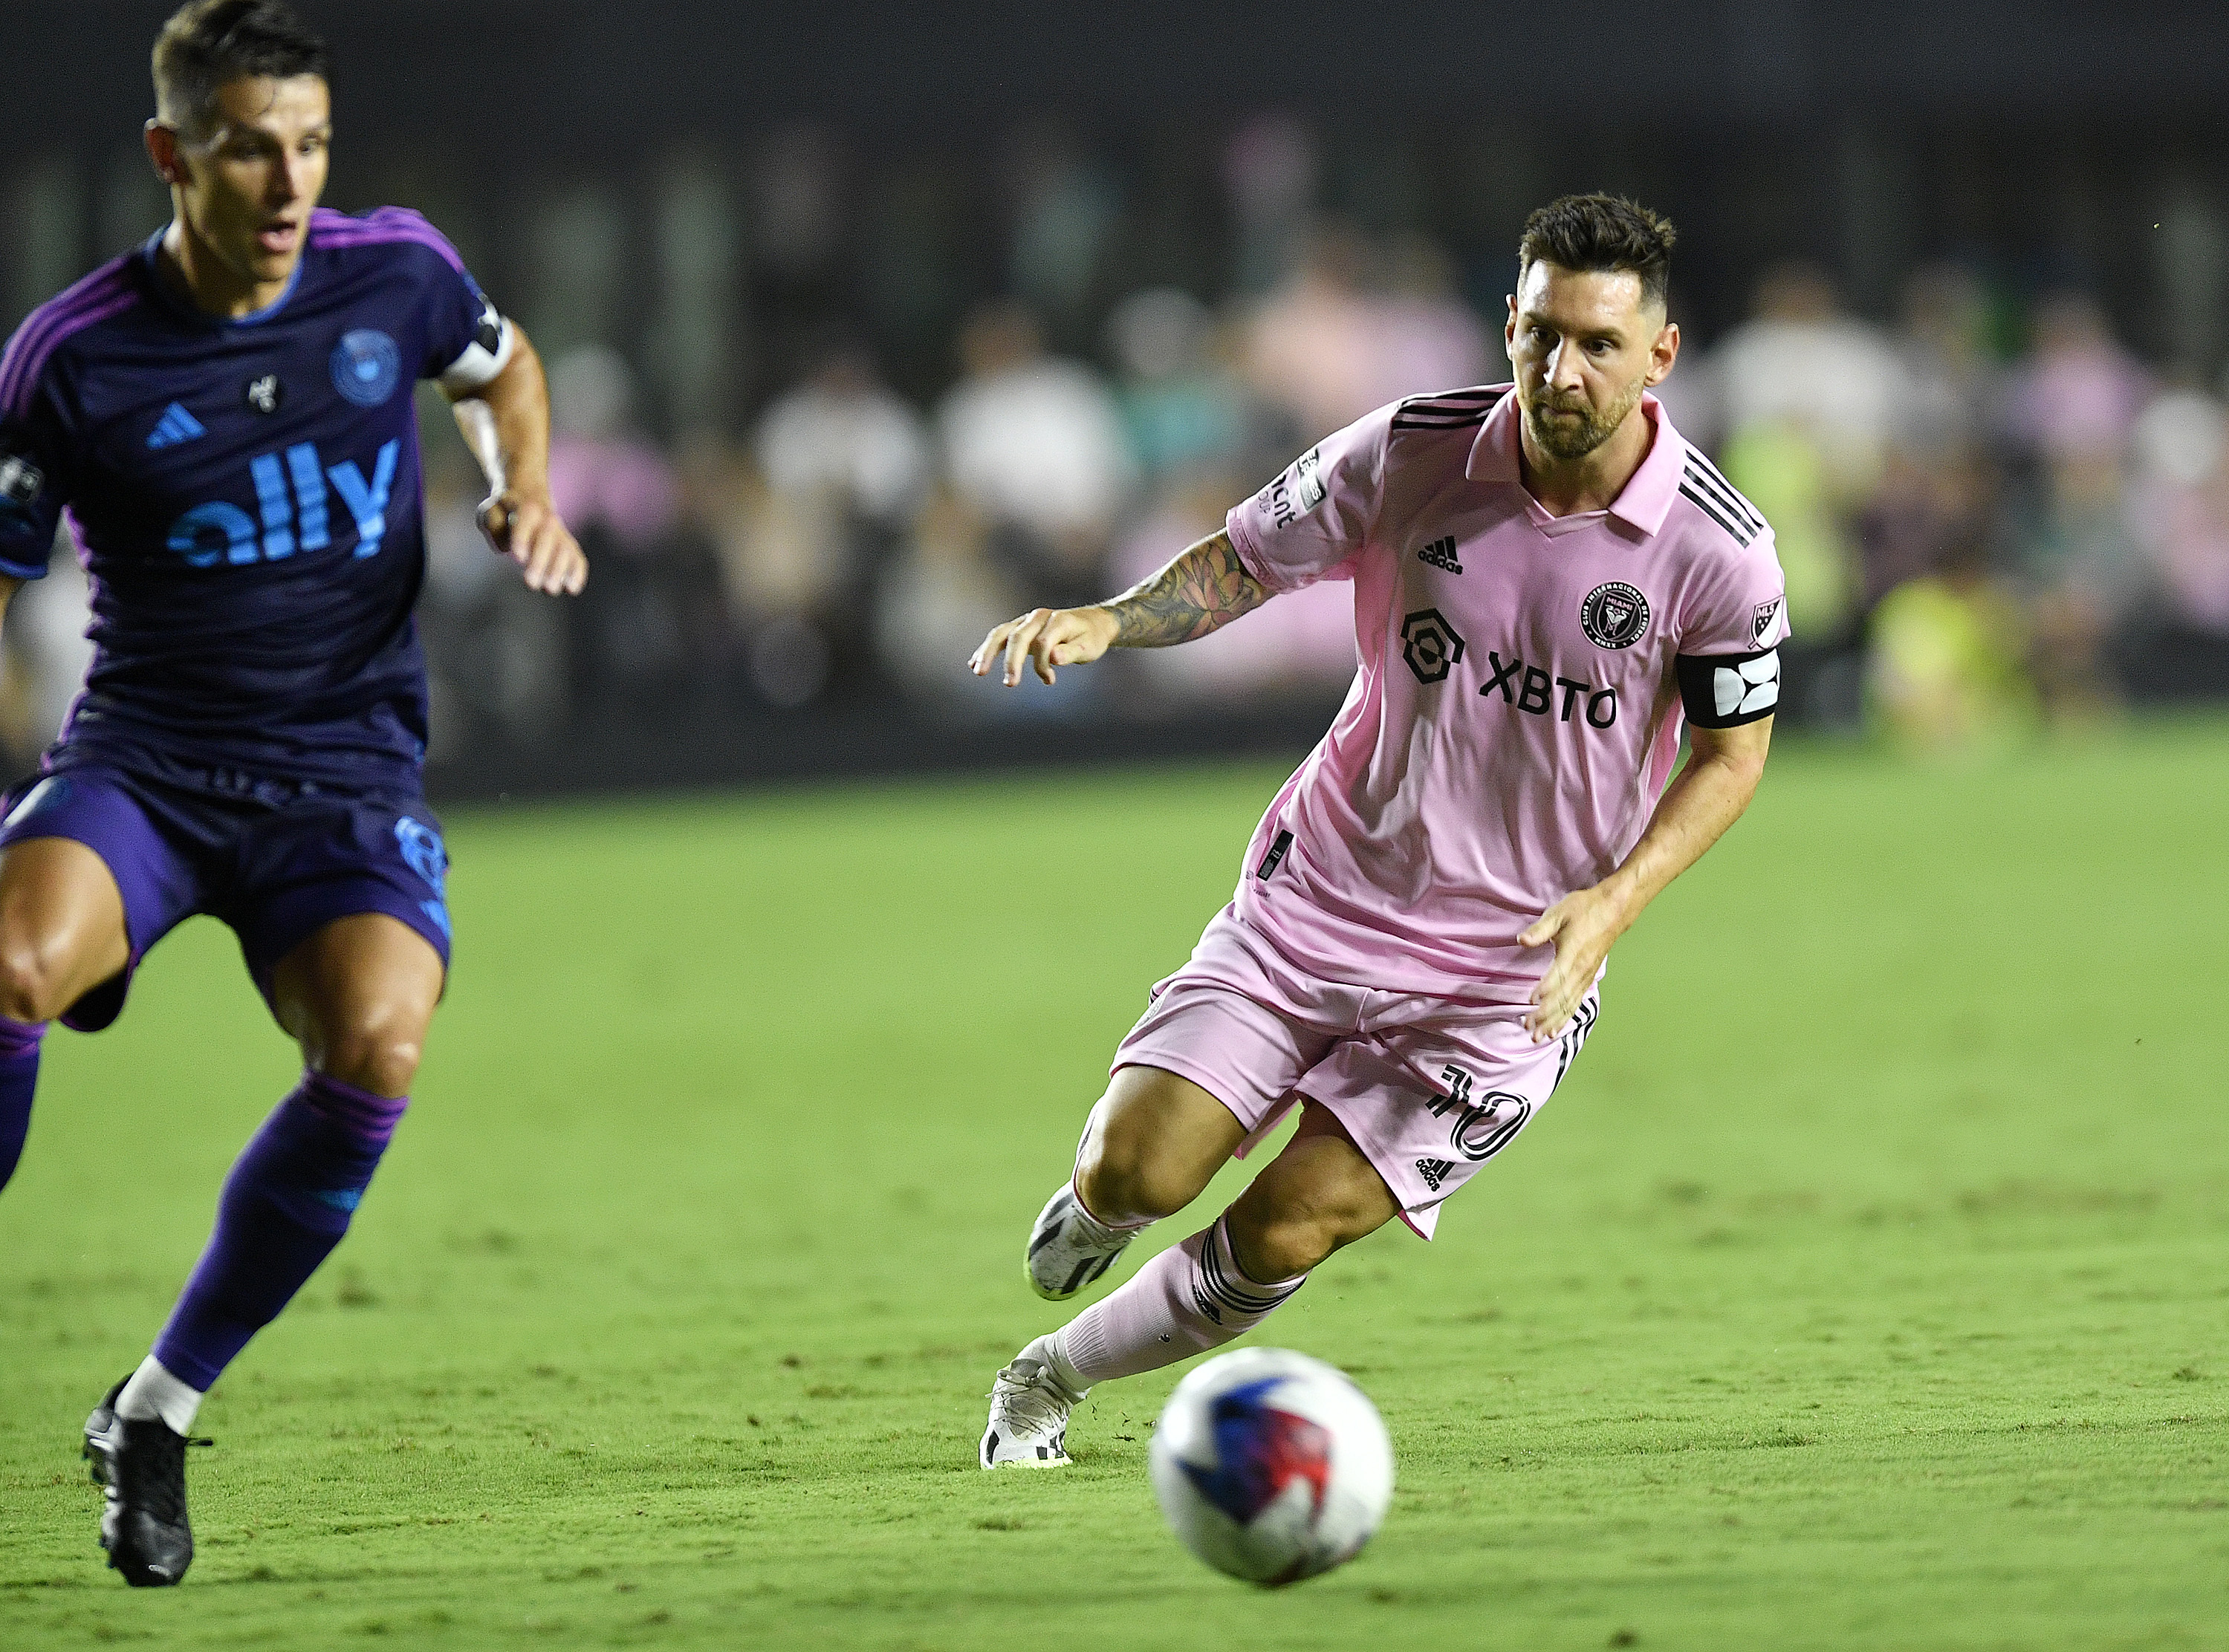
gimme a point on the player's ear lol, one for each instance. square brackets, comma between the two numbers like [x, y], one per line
[1662, 354]
[163, 150]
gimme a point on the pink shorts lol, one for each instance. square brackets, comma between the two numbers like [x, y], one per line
[1429, 1088]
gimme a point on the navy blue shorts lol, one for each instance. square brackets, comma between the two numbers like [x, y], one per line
[276, 860]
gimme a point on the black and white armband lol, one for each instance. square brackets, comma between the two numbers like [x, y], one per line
[484, 357]
[1726, 690]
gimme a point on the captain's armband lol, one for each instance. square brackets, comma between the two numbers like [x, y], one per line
[484, 358]
[1726, 690]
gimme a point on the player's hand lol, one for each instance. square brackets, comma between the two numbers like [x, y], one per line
[1045, 637]
[1582, 925]
[526, 528]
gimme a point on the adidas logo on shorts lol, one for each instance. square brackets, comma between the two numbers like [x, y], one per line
[1434, 1171]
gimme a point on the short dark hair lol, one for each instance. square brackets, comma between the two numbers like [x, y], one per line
[1600, 231]
[208, 42]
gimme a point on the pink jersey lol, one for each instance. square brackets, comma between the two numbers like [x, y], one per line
[1517, 708]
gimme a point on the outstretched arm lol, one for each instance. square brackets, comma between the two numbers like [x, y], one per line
[1708, 795]
[1201, 590]
[506, 422]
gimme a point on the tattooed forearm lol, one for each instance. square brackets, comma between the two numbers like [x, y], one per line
[1205, 588]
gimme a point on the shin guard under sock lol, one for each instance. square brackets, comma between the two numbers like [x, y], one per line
[19, 1080]
[285, 1206]
[1191, 1297]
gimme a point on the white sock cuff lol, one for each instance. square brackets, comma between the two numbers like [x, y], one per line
[1053, 1351]
[1222, 1281]
[153, 1392]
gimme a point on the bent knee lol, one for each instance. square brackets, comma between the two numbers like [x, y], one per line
[1121, 1177]
[1284, 1246]
[378, 1054]
[34, 984]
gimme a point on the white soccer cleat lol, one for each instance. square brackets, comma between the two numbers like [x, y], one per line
[1069, 1248]
[1029, 1416]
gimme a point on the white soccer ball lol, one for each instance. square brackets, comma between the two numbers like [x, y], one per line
[1272, 1466]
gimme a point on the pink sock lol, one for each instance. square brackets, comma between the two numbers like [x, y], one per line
[1188, 1299]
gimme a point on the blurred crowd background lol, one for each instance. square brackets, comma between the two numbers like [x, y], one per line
[841, 380]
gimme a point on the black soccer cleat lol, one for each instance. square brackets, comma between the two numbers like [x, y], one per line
[142, 1518]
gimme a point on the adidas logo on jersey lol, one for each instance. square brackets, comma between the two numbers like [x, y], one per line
[1440, 553]
[1434, 1171]
[176, 425]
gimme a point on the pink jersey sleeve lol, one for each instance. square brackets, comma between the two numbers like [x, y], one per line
[1730, 629]
[1317, 514]
[1738, 602]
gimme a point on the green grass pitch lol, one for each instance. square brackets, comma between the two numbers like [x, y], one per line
[1863, 1287]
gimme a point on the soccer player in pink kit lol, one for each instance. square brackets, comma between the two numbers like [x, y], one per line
[1547, 580]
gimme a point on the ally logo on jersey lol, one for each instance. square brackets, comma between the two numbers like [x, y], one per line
[293, 506]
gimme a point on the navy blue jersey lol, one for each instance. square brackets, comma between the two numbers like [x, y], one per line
[245, 495]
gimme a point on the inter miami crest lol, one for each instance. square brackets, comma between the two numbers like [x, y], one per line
[1430, 645]
[1614, 615]
[265, 392]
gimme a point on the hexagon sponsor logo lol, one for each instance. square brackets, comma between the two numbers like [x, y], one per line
[1431, 646]
[1615, 615]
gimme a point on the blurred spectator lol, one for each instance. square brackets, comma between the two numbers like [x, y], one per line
[1036, 446]
[1807, 400]
[1181, 409]
[1428, 339]
[2069, 410]
[843, 434]
[1949, 377]
[630, 630]
[1801, 363]
[1946, 670]
[1270, 171]
[47, 653]
[2075, 398]
[936, 605]
[494, 650]
[1311, 350]
[2181, 510]
[1931, 508]
[1304, 641]
[1064, 208]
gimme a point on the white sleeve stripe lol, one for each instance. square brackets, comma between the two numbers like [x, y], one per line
[479, 365]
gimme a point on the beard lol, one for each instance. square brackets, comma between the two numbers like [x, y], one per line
[1565, 438]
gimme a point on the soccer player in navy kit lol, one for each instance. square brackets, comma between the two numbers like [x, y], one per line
[227, 414]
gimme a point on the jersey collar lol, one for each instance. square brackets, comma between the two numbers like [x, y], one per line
[1645, 500]
[176, 302]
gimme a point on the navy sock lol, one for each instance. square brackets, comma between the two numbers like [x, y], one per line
[19, 1078]
[285, 1206]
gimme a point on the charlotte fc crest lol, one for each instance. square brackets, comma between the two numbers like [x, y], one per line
[1614, 615]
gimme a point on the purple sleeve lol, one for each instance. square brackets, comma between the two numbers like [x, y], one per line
[1318, 513]
[463, 329]
[34, 487]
